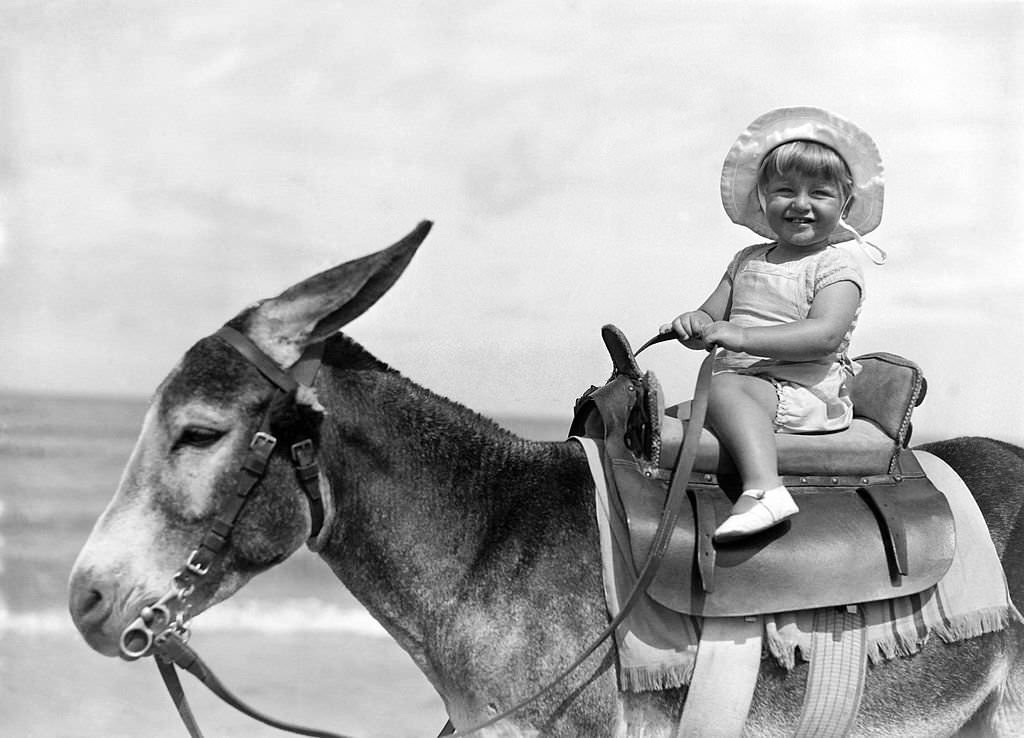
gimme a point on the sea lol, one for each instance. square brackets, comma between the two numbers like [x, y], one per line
[292, 637]
[61, 461]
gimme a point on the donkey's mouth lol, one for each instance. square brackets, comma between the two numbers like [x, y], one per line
[92, 609]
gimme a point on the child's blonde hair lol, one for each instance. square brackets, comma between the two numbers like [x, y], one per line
[809, 158]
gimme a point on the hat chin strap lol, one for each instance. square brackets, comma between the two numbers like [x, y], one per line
[875, 253]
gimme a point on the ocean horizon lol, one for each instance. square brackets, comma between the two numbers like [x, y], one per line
[62, 457]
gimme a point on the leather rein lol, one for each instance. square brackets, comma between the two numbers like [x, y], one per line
[659, 544]
[162, 629]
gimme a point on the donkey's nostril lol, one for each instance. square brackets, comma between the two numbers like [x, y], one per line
[92, 601]
[88, 606]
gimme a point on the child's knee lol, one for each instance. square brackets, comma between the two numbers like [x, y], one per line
[731, 392]
[724, 386]
[729, 387]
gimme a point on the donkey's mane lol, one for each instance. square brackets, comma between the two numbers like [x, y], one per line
[344, 353]
[214, 369]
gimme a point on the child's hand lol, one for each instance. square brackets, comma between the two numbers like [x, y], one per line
[689, 328]
[724, 334]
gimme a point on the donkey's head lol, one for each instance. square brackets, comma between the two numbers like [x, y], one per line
[221, 413]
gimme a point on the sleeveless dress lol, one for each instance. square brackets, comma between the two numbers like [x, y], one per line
[814, 395]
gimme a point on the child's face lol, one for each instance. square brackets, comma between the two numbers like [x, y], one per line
[801, 209]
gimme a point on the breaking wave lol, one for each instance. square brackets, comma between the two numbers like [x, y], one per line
[270, 617]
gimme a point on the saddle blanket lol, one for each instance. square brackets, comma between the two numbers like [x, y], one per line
[657, 646]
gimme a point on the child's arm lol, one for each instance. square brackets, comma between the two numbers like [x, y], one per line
[689, 326]
[818, 335]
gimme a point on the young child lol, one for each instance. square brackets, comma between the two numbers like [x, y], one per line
[783, 312]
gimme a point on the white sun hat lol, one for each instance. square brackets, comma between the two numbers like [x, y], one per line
[779, 126]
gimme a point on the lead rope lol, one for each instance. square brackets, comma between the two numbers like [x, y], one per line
[662, 536]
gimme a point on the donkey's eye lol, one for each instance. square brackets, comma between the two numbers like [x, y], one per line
[198, 437]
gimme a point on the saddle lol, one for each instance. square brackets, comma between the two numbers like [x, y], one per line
[871, 525]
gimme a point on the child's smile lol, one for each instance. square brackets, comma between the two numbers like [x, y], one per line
[802, 210]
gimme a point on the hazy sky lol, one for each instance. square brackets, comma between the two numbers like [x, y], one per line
[164, 164]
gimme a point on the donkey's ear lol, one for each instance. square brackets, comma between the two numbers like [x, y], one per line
[319, 306]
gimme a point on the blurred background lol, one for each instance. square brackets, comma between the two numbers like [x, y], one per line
[162, 165]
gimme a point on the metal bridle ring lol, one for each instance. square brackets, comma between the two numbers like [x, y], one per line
[154, 618]
[131, 636]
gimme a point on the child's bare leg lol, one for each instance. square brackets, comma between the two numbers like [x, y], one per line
[741, 410]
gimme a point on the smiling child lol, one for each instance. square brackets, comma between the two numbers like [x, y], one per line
[783, 312]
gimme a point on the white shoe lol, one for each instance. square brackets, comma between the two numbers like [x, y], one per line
[757, 510]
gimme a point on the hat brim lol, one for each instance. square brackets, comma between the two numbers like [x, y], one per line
[742, 163]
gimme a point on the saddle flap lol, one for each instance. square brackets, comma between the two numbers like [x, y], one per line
[838, 550]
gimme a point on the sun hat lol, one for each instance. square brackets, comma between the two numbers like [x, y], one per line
[779, 126]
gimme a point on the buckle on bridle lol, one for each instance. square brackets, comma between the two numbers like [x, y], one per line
[199, 568]
[263, 443]
[304, 453]
[260, 449]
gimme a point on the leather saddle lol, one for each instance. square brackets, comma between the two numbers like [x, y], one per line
[871, 525]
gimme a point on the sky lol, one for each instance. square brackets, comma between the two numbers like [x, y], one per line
[163, 165]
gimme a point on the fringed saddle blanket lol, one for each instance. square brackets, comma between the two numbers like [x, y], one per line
[657, 646]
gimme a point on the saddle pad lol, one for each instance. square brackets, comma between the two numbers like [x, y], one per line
[835, 551]
[657, 646]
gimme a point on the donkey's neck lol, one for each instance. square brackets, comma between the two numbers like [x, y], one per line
[435, 504]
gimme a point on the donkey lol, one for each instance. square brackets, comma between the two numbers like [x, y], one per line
[477, 550]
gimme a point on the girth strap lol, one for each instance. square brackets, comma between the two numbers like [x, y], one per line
[724, 676]
[835, 678]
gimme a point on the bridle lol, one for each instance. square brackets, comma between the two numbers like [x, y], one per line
[162, 629]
